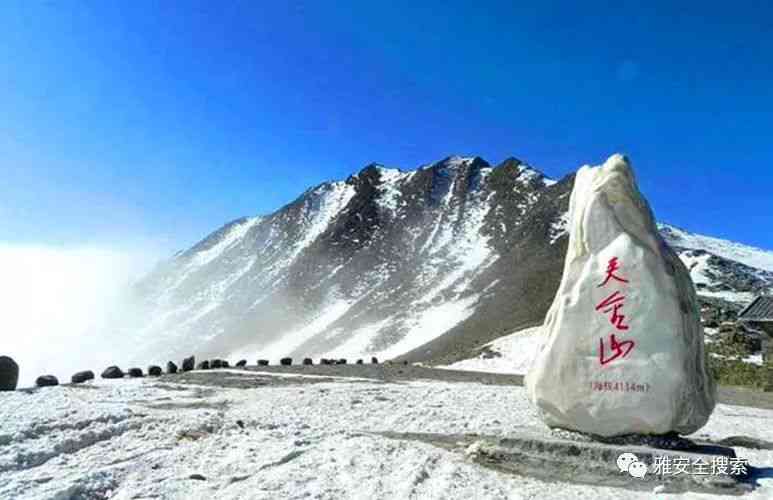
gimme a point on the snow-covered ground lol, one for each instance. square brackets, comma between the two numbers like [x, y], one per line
[516, 352]
[139, 439]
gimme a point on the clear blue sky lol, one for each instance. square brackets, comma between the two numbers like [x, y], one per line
[163, 120]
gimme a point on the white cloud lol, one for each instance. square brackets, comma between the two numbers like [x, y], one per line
[56, 304]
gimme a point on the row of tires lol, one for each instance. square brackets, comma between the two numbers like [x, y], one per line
[9, 370]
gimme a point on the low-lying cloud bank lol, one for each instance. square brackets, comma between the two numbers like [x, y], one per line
[57, 305]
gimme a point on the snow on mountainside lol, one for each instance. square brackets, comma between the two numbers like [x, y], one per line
[382, 263]
[509, 354]
[427, 264]
[751, 256]
[722, 269]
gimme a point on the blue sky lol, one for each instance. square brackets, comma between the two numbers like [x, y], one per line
[160, 121]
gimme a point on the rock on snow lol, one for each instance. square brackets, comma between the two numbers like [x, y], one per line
[621, 281]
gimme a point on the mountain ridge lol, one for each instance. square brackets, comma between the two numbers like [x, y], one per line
[426, 264]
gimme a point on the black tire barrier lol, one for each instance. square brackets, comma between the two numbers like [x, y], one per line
[189, 364]
[9, 374]
[81, 377]
[46, 381]
[112, 372]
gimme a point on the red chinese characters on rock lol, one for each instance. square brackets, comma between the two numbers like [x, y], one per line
[613, 305]
[612, 267]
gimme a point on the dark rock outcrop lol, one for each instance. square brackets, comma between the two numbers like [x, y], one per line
[155, 371]
[46, 381]
[262, 362]
[359, 361]
[112, 372]
[216, 363]
[286, 361]
[225, 364]
[135, 372]
[241, 363]
[83, 376]
[9, 374]
[374, 360]
[171, 367]
[308, 361]
[204, 365]
[341, 361]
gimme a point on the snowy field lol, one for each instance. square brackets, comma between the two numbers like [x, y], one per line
[142, 439]
[515, 354]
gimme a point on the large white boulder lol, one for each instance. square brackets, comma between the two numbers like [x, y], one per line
[623, 343]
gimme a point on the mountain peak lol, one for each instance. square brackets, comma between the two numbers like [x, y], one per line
[455, 160]
[523, 171]
[373, 166]
[424, 263]
[510, 162]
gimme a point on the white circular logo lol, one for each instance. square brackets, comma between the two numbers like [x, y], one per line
[628, 462]
[625, 460]
[638, 470]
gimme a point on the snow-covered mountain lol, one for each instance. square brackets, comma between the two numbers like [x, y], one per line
[745, 254]
[722, 269]
[382, 263]
[426, 264]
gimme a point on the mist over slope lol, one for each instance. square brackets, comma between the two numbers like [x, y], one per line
[425, 264]
[59, 305]
[381, 263]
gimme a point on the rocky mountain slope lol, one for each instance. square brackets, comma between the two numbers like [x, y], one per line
[425, 264]
[720, 269]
